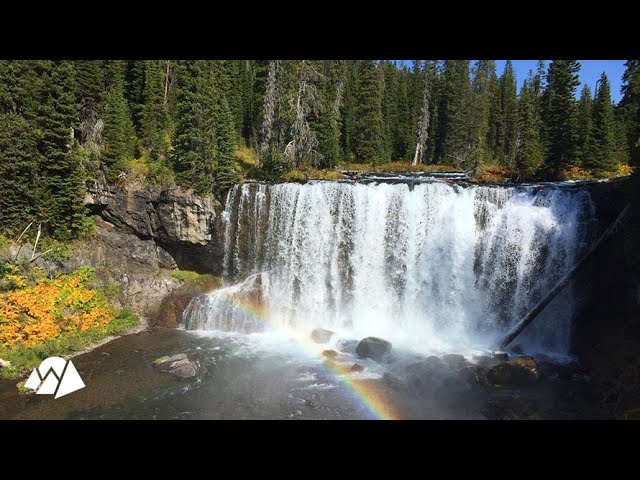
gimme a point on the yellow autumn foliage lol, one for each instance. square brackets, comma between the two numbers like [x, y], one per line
[29, 315]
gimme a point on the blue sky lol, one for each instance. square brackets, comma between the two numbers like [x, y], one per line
[590, 72]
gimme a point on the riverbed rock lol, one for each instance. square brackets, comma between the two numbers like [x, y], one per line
[356, 368]
[517, 371]
[330, 354]
[321, 335]
[455, 360]
[347, 345]
[178, 365]
[374, 348]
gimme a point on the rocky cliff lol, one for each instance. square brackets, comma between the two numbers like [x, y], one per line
[142, 236]
[184, 227]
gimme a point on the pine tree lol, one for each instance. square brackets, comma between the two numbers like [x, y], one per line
[630, 108]
[454, 120]
[368, 142]
[59, 185]
[349, 108]
[154, 117]
[226, 173]
[271, 150]
[133, 90]
[559, 107]
[195, 133]
[508, 101]
[483, 71]
[18, 170]
[119, 135]
[329, 121]
[601, 158]
[584, 114]
[529, 153]
[495, 133]
[90, 79]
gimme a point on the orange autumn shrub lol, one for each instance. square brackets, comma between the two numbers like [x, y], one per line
[32, 314]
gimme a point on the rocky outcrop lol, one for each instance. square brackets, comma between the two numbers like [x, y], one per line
[518, 371]
[178, 365]
[320, 335]
[184, 226]
[374, 348]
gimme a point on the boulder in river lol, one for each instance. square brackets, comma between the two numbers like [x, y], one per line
[374, 348]
[517, 371]
[356, 368]
[347, 345]
[178, 365]
[455, 360]
[330, 354]
[320, 335]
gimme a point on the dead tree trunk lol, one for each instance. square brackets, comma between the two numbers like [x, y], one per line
[529, 317]
[423, 122]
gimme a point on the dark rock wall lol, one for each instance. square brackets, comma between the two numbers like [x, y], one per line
[185, 228]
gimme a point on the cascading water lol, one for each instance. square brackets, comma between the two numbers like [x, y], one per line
[432, 266]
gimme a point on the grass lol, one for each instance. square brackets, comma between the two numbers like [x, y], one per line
[24, 359]
[303, 175]
[492, 173]
[397, 167]
[197, 280]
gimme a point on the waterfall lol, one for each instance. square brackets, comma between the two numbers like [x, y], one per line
[433, 265]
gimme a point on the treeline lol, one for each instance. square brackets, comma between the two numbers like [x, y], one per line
[61, 122]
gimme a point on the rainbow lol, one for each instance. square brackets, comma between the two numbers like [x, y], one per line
[362, 390]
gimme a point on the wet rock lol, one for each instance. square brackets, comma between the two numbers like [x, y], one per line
[429, 366]
[563, 371]
[320, 335]
[394, 382]
[356, 368]
[517, 371]
[486, 361]
[474, 374]
[347, 346]
[105, 354]
[330, 354]
[374, 348]
[178, 365]
[455, 361]
[171, 309]
[502, 356]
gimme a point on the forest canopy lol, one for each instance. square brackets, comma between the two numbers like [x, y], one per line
[204, 124]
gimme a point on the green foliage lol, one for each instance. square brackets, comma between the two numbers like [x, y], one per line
[186, 275]
[453, 135]
[559, 109]
[197, 280]
[119, 134]
[112, 290]
[601, 159]
[57, 250]
[368, 141]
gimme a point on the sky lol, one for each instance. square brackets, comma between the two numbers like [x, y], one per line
[590, 72]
